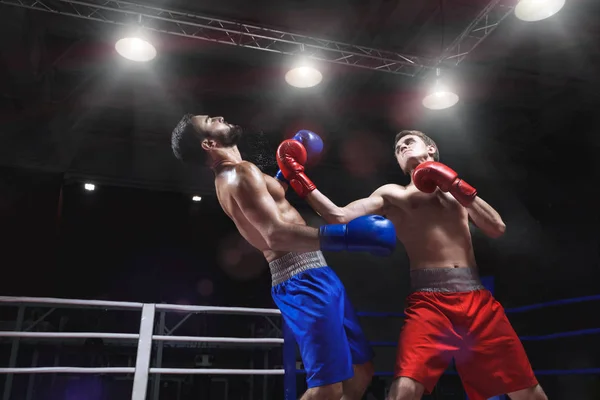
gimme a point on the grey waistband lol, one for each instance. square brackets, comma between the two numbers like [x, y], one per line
[448, 280]
[292, 264]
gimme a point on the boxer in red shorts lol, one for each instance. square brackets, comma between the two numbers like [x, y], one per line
[449, 314]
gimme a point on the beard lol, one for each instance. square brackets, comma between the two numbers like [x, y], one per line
[233, 136]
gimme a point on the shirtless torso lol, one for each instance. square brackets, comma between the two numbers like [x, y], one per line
[228, 180]
[433, 227]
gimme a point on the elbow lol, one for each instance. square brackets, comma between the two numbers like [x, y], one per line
[338, 216]
[497, 230]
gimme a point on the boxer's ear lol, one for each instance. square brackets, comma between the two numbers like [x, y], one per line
[431, 150]
[208, 144]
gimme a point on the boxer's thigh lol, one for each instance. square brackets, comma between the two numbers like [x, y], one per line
[492, 360]
[312, 305]
[427, 340]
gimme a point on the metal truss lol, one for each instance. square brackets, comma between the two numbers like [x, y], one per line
[228, 32]
[477, 31]
[243, 35]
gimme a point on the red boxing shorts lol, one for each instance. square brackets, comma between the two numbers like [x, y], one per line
[449, 315]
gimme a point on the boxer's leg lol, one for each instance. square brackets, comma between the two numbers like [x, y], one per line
[311, 305]
[426, 346]
[533, 393]
[405, 388]
[327, 392]
[355, 387]
[492, 360]
[361, 352]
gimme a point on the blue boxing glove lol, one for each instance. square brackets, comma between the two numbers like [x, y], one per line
[311, 142]
[279, 176]
[371, 233]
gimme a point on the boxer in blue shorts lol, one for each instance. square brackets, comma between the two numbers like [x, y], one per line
[311, 297]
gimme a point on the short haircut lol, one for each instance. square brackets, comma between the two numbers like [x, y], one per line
[186, 141]
[428, 141]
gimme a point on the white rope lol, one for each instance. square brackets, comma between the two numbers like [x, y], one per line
[131, 370]
[67, 370]
[70, 335]
[218, 339]
[70, 302]
[218, 310]
[206, 371]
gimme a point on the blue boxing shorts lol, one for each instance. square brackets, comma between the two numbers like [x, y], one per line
[314, 305]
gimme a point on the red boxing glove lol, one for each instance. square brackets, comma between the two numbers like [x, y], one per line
[291, 157]
[429, 175]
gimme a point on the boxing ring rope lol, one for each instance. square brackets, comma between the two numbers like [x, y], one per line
[146, 338]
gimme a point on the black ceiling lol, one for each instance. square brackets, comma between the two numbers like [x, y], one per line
[529, 95]
[71, 104]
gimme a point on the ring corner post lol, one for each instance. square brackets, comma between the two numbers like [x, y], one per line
[289, 362]
[144, 350]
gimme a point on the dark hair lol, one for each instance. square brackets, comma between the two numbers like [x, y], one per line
[186, 141]
[428, 141]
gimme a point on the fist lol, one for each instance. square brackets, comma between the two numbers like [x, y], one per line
[371, 233]
[291, 157]
[311, 142]
[431, 174]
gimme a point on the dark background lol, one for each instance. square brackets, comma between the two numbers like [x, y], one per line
[525, 134]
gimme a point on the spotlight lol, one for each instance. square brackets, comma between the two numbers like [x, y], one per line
[89, 186]
[536, 10]
[196, 198]
[303, 76]
[135, 49]
[440, 97]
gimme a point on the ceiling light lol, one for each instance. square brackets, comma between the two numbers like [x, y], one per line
[536, 10]
[440, 99]
[89, 186]
[303, 77]
[196, 198]
[135, 49]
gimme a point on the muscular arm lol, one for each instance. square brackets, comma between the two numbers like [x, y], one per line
[486, 218]
[341, 215]
[259, 208]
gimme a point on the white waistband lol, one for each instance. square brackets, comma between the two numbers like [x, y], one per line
[292, 264]
[448, 280]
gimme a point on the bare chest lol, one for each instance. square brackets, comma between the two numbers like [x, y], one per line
[275, 189]
[426, 208]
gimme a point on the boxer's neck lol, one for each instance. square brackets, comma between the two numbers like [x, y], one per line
[225, 156]
[413, 165]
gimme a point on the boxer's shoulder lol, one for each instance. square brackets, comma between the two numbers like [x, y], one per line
[246, 170]
[241, 176]
[391, 192]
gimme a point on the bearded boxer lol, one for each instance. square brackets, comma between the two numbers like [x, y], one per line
[312, 299]
[449, 313]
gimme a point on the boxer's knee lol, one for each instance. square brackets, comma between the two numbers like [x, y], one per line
[364, 372]
[325, 392]
[355, 387]
[533, 393]
[405, 388]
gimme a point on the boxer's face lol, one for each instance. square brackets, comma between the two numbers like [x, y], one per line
[217, 132]
[411, 150]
